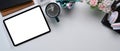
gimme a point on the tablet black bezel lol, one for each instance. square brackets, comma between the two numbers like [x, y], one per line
[32, 37]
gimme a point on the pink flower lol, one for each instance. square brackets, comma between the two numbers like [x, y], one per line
[104, 7]
[93, 2]
[101, 6]
[107, 10]
[69, 5]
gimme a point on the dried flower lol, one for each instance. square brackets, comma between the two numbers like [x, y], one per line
[103, 5]
[93, 2]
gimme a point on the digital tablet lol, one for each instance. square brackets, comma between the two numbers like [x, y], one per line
[27, 25]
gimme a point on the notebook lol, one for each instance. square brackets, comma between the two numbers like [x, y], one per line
[4, 4]
[27, 25]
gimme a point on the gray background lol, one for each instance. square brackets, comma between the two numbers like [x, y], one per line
[78, 30]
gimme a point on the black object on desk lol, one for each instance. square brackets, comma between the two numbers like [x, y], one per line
[4, 4]
[115, 8]
[53, 11]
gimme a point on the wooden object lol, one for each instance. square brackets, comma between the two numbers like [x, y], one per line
[16, 8]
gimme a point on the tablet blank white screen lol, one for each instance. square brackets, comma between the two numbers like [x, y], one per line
[27, 25]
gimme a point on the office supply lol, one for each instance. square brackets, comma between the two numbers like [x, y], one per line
[112, 19]
[14, 8]
[27, 25]
[4, 4]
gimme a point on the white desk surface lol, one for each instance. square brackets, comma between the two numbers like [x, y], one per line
[78, 30]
